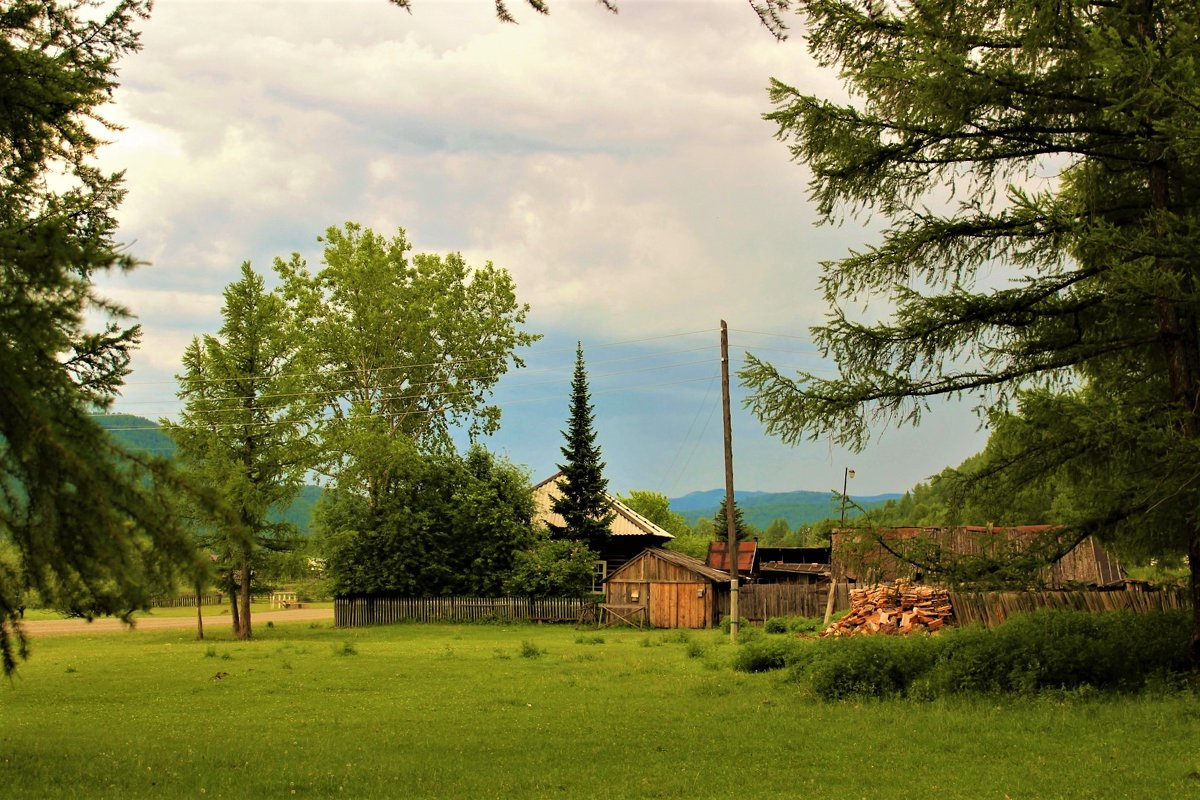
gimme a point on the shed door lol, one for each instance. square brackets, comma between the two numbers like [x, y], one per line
[678, 605]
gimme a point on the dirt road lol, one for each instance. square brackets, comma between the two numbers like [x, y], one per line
[66, 627]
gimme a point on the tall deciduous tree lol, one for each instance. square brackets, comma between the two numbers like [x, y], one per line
[406, 346]
[582, 499]
[656, 507]
[89, 528]
[244, 429]
[959, 112]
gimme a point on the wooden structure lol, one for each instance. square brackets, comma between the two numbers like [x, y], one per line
[385, 609]
[858, 555]
[667, 589]
[631, 532]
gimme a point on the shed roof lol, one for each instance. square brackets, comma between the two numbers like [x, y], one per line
[672, 557]
[627, 522]
[718, 556]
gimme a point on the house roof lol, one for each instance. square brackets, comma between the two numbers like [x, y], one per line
[718, 556]
[626, 521]
[676, 558]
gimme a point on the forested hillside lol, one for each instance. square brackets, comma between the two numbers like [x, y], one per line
[145, 436]
[760, 509]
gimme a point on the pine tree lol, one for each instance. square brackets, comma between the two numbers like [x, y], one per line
[83, 523]
[583, 499]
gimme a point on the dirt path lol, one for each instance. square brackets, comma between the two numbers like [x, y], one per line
[67, 627]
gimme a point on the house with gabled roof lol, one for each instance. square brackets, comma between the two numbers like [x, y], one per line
[631, 532]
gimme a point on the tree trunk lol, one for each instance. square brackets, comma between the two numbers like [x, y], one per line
[199, 614]
[1194, 566]
[233, 606]
[244, 632]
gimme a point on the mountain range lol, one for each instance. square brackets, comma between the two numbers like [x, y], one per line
[758, 508]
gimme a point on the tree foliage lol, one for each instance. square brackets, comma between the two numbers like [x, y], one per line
[405, 345]
[89, 526]
[743, 530]
[655, 507]
[583, 497]
[441, 525]
[244, 430]
[1079, 289]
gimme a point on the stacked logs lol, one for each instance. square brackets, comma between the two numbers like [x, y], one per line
[900, 607]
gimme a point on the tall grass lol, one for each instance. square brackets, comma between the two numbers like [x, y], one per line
[455, 712]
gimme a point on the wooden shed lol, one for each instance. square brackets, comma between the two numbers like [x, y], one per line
[666, 589]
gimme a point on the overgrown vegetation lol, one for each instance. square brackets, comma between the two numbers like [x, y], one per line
[1044, 650]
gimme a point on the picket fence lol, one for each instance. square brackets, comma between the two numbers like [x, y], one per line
[352, 612]
[188, 600]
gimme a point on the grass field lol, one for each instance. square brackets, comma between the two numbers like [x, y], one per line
[540, 711]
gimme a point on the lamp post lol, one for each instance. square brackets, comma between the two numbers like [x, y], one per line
[846, 476]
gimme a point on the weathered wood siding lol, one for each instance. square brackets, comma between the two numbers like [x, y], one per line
[759, 602]
[382, 610]
[680, 605]
[992, 608]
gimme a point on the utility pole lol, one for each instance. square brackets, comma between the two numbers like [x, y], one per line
[730, 518]
[829, 601]
[846, 476]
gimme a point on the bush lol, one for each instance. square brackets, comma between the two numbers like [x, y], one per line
[794, 625]
[765, 654]
[1043, 650]
[871, 666]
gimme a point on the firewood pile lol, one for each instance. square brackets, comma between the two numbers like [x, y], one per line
[891, 608]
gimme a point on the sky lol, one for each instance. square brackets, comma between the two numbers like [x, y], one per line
[617, 166]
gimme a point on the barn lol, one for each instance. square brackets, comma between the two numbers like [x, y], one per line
[665, 589]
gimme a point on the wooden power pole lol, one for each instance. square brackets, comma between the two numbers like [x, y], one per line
[730, 517]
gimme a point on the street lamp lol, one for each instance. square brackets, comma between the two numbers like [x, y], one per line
[846, 476]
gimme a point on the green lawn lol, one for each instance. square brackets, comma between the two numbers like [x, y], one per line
[445, 711]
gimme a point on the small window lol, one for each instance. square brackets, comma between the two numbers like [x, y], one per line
[599, 573]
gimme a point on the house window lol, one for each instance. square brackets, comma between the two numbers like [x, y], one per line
[599, 573]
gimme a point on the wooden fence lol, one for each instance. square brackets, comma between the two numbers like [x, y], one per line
[354, 612]
[992, 608]
[188, 600]
[758, 602]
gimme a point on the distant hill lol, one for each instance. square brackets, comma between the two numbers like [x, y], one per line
[142, 435]
[762, 508]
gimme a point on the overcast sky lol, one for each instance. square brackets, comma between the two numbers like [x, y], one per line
[617, 165]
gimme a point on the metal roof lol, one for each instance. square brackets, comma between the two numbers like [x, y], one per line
[627, 522]
[718, 556]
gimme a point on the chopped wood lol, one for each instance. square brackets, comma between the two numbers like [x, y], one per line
[891, 608]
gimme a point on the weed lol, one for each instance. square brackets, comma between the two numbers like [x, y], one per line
[593, 639]
[71, 669]
[500, 654]
[227, 656]
[695, 650]
[270, 624]
[210, 651]
[347, 649]
[447, 652]
[531, 650]
[286, 665]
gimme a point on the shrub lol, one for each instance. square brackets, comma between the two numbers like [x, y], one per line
[764, 654]
[866, 666]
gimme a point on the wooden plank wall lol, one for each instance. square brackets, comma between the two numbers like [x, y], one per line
[992, 608]
[759, 602]
[351, 612]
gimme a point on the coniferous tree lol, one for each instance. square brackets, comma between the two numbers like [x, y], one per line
[960, 110]
[244, 430]
[85, 524]
[583, 500]
[720, 525]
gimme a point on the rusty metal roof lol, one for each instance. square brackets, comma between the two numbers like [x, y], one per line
[718, 556]
[627, 522]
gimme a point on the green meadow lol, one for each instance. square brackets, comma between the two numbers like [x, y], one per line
[541, 711]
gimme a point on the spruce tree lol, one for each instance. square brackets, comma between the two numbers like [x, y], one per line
[82, 523]
[583, 500]
[720, 525]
